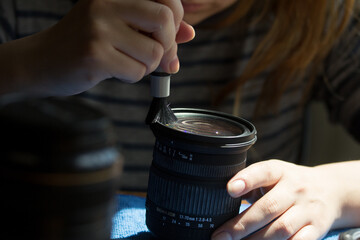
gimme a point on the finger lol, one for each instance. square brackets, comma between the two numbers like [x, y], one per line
[186, 33]
[119, 65]
[266, 209]
[177, 9]
[152, 18]
[285, 226]
[308, 232]
[170, 61]
[138, 46]
[262, 174]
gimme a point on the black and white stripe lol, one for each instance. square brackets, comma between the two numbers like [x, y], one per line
[211, 60]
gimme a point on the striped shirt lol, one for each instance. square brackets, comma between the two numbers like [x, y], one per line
[212, 59]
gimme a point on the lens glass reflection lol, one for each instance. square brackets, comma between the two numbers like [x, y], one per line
[206, 125]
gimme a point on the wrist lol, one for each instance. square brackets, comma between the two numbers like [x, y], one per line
[343, 179]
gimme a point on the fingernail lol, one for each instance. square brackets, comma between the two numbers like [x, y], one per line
[222, 236]
[236, 187]
[174, 65]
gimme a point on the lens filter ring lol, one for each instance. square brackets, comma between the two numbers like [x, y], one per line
[238, 133]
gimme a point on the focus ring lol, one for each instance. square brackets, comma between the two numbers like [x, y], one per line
[192, 164]
[198, 170]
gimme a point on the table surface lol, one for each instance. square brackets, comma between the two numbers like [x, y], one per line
[129, 220]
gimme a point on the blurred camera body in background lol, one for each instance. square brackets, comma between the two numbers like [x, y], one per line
[59, 170]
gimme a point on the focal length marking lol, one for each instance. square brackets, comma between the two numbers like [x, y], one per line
[173, 153]
[185, 220]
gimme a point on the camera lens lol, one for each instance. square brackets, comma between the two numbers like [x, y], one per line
[59, 170]
[193, 159]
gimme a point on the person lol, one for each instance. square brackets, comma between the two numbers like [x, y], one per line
[261, 61]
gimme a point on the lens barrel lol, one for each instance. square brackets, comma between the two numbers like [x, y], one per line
[193, 159]
[59, 170]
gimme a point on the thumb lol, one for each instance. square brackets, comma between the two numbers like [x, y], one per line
[185, 33]
[262, 174]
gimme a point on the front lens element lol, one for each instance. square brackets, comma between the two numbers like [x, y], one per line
[206, 125]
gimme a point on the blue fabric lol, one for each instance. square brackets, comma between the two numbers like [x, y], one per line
[129, 220]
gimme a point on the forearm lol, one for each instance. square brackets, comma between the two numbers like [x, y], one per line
[347, 186]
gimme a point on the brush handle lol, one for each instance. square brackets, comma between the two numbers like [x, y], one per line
[160, 83]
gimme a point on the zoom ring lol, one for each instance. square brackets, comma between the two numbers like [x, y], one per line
[196, 199]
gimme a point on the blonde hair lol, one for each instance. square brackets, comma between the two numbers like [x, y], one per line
[300, 37]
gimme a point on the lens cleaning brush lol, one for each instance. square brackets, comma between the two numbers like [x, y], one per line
[160, 110]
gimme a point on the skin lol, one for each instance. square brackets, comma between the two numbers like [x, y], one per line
[305, 202]
[100, 39]
[198, 10]
[289, 201]
[128, 39]
[96, 40]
